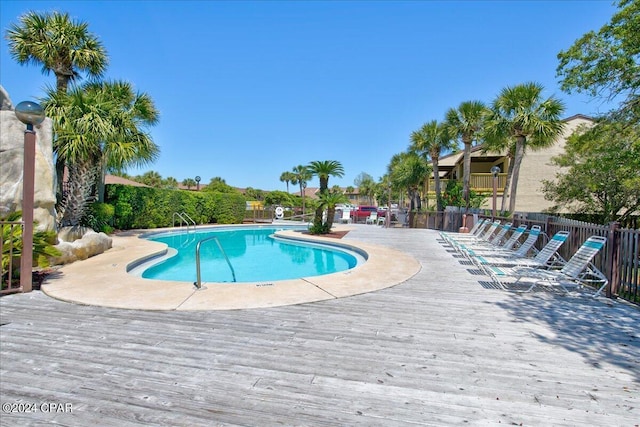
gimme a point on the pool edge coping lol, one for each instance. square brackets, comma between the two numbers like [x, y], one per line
[103, 280]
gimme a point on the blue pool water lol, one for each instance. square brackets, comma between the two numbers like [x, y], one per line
[253, 253]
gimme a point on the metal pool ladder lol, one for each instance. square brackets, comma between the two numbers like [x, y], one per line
[198, 282]
[186, 218]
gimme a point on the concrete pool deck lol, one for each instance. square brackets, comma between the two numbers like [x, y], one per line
[103, 280]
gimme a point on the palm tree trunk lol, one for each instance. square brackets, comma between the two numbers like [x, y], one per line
[519, 154]
[436, 179]
[507, 184]
[79, 196]
[466, 173]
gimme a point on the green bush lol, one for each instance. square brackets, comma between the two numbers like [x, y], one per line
[43, 248]
[100, 217]
[144, 207]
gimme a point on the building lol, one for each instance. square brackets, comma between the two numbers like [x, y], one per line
[536, 166]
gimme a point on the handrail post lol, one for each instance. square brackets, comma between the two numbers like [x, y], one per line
[198, 282]
[613, 258]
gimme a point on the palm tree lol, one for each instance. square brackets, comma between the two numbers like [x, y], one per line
[99, 127]
[432, 139]
[152, 179]
[170, 183]
[287, 177]
[330, 199]
[521, 118]
[366, 185]
[301, 176]
[323, 170]
[189, 182]
[58, 44]
[466, 123]
[406, 172]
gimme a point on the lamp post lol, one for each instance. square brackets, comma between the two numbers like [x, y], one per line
[30, 114]
[387, 220]
[304, 190]
[495, 171]
[198, 183]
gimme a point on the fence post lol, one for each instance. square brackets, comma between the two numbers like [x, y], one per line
[613, 252]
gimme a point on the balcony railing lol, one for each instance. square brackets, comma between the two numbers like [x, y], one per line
[479, 182]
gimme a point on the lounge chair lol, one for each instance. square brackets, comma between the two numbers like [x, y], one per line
[547, 257]
[577, 272]
[507, 250]
[493, 242]
[346, 217]
[475, 230]
[482, 235]
[496, 243]
[372, 218]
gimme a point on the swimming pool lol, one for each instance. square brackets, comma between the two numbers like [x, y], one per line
[254, 254]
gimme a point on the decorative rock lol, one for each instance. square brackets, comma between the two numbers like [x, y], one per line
[71, 234]
[5, 100]
[90, 244]
[11, 161]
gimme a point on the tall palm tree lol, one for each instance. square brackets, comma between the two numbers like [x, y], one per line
[519, 118]
[99, 127]
[323, 170]
[366, 186]
[406, 172]
[301, 176]
[465, 123]
[432, 139]
[59, 44]
[287, 177]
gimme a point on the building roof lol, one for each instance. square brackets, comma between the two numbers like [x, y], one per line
[114, 179]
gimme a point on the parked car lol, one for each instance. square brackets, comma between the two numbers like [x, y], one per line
[361, 213]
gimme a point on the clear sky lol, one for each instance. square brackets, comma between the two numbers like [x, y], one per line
[247, 90]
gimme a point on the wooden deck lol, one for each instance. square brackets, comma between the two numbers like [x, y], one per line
[443, 348]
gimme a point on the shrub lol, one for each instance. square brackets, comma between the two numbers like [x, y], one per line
[99, 217]
[43, 248]
[143, 207]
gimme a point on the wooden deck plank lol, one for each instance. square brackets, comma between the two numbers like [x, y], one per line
[439, 349]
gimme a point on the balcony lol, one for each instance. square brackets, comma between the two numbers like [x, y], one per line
[481, 183]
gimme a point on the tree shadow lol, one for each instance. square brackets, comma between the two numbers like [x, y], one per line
[601, 331]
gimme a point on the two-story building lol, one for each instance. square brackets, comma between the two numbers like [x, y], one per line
[536, 166]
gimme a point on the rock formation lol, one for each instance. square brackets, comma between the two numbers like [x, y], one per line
[90, 244]
[11, 162]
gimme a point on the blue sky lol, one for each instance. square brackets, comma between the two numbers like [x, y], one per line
[248, 90]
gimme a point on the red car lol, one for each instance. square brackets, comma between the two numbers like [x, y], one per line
[361, 213]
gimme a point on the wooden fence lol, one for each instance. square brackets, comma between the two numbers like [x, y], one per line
[619, 261]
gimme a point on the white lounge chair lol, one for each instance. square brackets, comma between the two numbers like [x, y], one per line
[507, 251]
[372, 218]
[547, 257]
[496, 242]
[484, 234]
[346, 217]
[577, 272]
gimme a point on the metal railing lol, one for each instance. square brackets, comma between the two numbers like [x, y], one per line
[198, 282]
[184, 218]
[479, 182]
[10, 256]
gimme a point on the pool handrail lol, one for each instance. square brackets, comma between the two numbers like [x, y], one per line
[184, 217]
[198, 282]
